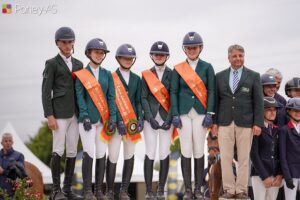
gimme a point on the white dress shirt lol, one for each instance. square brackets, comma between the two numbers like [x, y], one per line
[68, 60]
[193, 63]
[125, 75]
[297, 127]
[95, 72]
[160, 71]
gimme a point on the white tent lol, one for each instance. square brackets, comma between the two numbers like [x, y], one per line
[29, 156]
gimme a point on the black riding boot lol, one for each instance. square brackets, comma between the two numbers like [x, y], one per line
[163, 174]
[126, 177]
[186, 173]
[100, 170]
[198, 175]
[148, 174]
[87, 166]
[56, 193]
[69, 172]
[110, 179]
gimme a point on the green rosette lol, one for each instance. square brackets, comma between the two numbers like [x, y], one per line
[107, 131]
[132, 127]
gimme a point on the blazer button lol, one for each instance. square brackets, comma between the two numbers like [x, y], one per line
[232, 107]
[193, 97]
[233, 97]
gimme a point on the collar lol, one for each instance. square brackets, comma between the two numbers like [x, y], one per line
[239, 70]
[160, 68]
[69, 59]
[291, 124]
[8, 153]
[124, 71]
[193, 62]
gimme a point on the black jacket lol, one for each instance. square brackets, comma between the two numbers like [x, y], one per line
[265, 154]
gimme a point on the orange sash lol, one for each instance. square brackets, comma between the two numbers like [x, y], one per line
[94, 89]
[125, 108]
[194, 82]
[161, 94]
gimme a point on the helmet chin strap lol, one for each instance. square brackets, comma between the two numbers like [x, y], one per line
[159, 65]
[294, 119]
[96, 63]
[125, 67]
[198, 53]
[298, 121]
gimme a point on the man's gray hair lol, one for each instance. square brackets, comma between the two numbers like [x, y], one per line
[235, 47]
[6, 135]
[274, 72]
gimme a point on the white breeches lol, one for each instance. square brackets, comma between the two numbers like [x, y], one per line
[260, 192]
[192, 135]
[164, 138]
[91, 141]
[114, 148]
[66, 134]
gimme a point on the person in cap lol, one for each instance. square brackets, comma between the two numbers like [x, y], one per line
[292, 87]
[192, 106]
[11, 165]
[289, 138]
[278, 77]
[266, 175]
[95, 121]
[58, 98]
[239, 116]
[269, 89]
[130, 120]
[156, 106]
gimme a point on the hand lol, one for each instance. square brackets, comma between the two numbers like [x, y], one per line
[176, 121]
[52, 123]
[207, 121]
[268, 182]
[87, 125]
[215, 130]
[140, 125]
[166, 125]
[112, 126]
[256, 130]
[121, 128]
[1, 170]
[154, 124]
[289, 183]
[277, 181]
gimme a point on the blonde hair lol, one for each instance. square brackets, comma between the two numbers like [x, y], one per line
[274, 72]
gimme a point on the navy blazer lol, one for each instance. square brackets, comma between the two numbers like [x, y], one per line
[265, 154]
[289, 151]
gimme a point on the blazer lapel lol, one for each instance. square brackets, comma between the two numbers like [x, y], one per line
[243, 78]
[122, 79]
[226, 79]
[62, 63]
[165, 74]
[131, 83]
[74, 64]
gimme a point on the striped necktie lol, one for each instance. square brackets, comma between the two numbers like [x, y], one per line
[235, 80]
